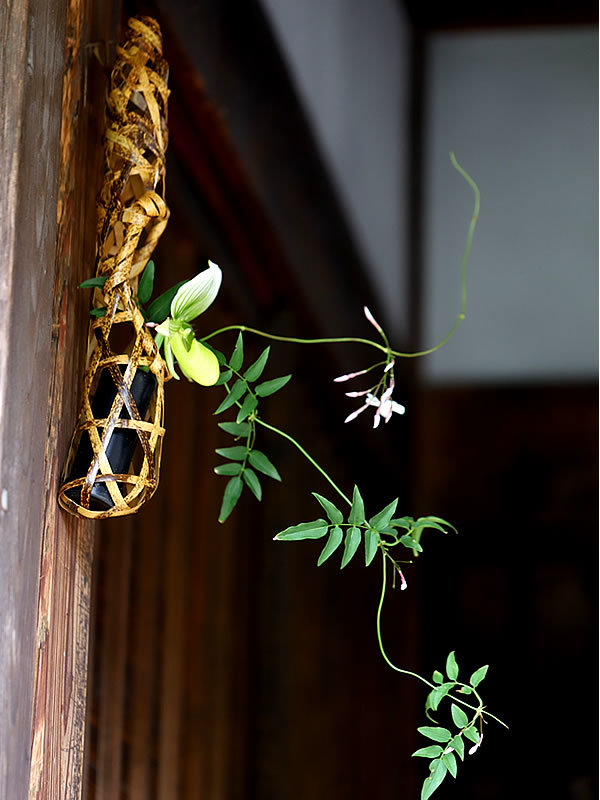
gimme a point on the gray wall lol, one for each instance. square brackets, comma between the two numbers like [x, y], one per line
[349, 60]
[520, 110]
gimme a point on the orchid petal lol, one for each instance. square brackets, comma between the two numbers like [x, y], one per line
[390, 366]
[376, 419]
[197, 363]
[196, 295]
[357, 394]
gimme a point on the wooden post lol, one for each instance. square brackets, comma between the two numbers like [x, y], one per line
[59, 712]
[50, 154]
[31, 66]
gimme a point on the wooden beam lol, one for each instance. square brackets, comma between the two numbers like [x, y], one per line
[31, 67]
[60, 689]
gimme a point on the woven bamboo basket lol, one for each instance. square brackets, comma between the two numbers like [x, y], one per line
[114, 460]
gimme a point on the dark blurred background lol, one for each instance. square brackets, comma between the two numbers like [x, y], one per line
[309, 158]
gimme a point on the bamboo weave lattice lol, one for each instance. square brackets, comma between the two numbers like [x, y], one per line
[132, 215]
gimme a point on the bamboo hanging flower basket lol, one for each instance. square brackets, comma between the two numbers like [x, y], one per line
[114, 459]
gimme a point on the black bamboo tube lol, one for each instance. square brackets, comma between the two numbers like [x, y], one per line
[122, 444]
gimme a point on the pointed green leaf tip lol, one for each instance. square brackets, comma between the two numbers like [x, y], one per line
[334, 541]
[254, 372]
[146, 284]
[478, 675]
[451, 667]
[438, 734]
[438, 773]
[459, 717]
[237, 357]
[357, 512]
[351, 543]
[332, 511]
[231, 495]
[305, 530]
[195, 296]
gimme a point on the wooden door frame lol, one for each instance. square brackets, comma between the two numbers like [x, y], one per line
[50, 154]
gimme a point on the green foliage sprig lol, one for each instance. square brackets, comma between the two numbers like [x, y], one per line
[346, 530]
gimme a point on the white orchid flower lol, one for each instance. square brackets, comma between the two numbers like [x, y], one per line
[198, 362]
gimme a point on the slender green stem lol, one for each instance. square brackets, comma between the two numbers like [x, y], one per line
[305, 454]
[479, 709]
[385, 348]
[295, 339]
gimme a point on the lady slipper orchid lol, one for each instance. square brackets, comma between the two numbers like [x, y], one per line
[198, 363]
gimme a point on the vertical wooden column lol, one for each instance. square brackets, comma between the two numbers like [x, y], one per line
[61, 643]
[31, 68]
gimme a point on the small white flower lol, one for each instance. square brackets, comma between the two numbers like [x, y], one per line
[476, 746]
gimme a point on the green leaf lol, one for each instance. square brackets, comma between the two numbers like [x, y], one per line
[408, 541]
[438, 677]
[430, 784]
[160, 308]
[437, 734]
[238, 453]
[472, 734]
[459, 746]
[332, 544]
[231, 495]
[248, 406]
[305, 530]
[254, 372]
[450, 762]
[478, 675]
[465, 690]
[459, 717]
[451, 667]
[98, 312]
[237, 390]
[237, 357]
[146, 284]
[439, 693]
[270, 387]
[92, 283]
[382, 519]
[351, 542]
[371, 544]
[224, 377]
[235, 428]
[419, 524]
[332, 511]
[402, 522]
[251, 479]
[260, 462]
[437, 522]
[357, 512]
[432, 751]
[232, 468]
